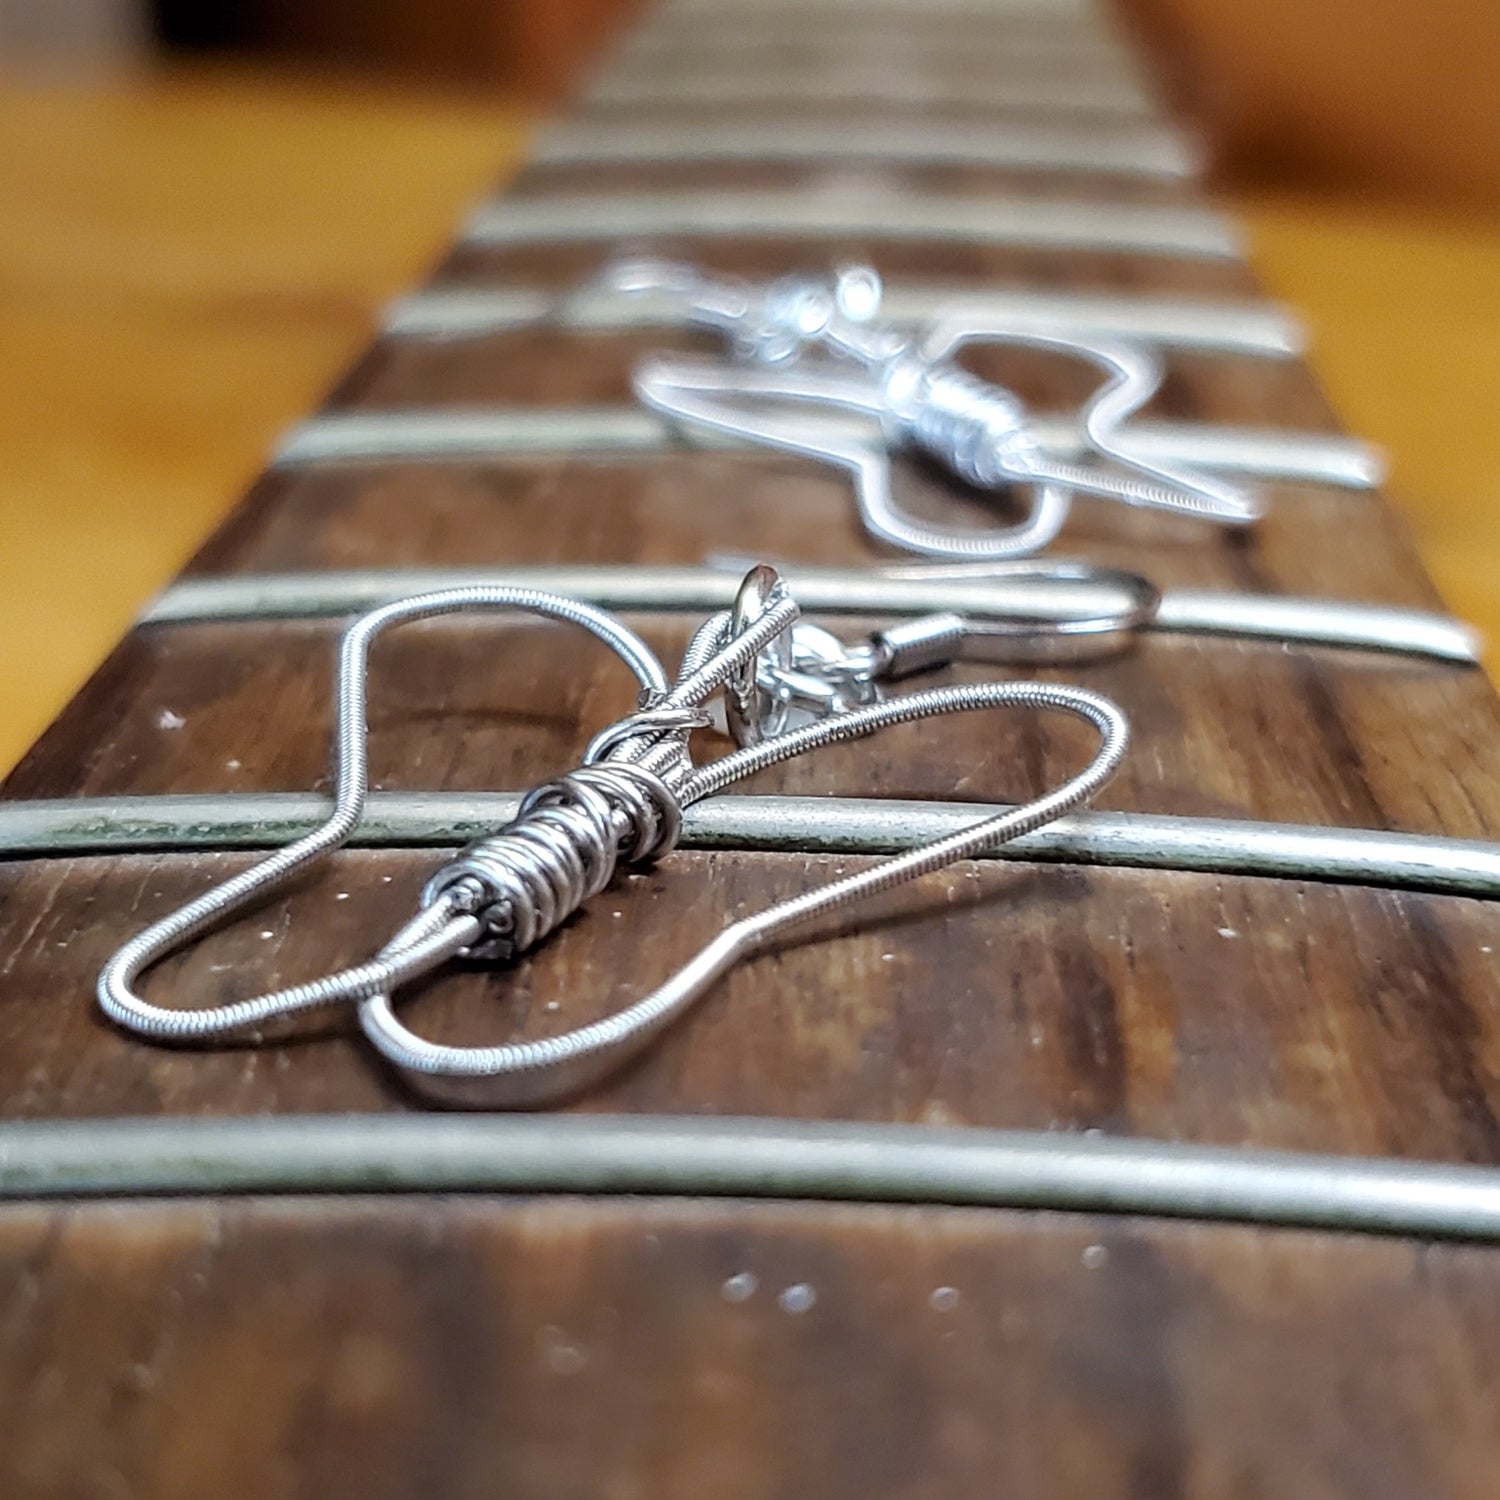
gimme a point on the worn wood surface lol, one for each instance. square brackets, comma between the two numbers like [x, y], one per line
[532, 367]
[407, 1347]
[1222, 728]
[1042, 998]
[563, 266]
[401, 1350]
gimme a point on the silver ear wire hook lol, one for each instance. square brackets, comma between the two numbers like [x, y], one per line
[506, 892]
[809, 673]
[768, 324]
[803, 343]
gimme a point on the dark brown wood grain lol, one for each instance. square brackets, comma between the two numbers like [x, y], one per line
[422, 1347]
[680, 505]
[563, 266]
[1141, 1003]
[402, 1350]
[506, 705]
[533, 367]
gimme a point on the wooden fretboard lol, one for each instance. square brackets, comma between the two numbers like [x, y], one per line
[1145, 1134]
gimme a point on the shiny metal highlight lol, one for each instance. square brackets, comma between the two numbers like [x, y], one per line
[1081, 14]
[73, 826]
[1131, 152]
[1062, 224]
[687, 44]
[999, 593]
[1031, 86]
[624, 803]
[802, 1160]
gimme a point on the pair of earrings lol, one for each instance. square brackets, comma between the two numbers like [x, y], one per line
[787, 688]
[805, 346]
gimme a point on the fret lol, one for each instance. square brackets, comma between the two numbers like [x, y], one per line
[1060, 13]
[941, 259]
[1149, 153]
[977, 597]
[965, 51]
[962, 54]
[768, 823]
[1290, 457]
[566, 266]
[770, 86]
[471, 706]
[1032, 222]
[749, 1158]
[887, 25]
[1249, 329]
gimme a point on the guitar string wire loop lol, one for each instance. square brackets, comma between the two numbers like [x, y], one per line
[625, 802]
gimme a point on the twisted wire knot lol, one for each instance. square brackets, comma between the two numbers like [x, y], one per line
[570, 834]
[978, 429]
[562, 848]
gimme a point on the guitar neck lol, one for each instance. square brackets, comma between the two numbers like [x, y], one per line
[1234, 1028]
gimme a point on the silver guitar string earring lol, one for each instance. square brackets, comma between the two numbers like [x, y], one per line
[787, 693]
[802, 346]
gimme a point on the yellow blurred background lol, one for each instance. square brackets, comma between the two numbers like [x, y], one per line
[193, 244]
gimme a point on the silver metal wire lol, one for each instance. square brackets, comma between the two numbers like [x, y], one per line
[1134, 376]
[506, 892]
[805, 342]
[705, 393]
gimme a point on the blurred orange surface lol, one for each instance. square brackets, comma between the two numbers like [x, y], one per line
[187, 261]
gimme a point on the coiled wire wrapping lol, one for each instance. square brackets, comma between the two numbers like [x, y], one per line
[508, 891]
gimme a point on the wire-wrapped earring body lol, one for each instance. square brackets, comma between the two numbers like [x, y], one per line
[624, 802]
[805, 346]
